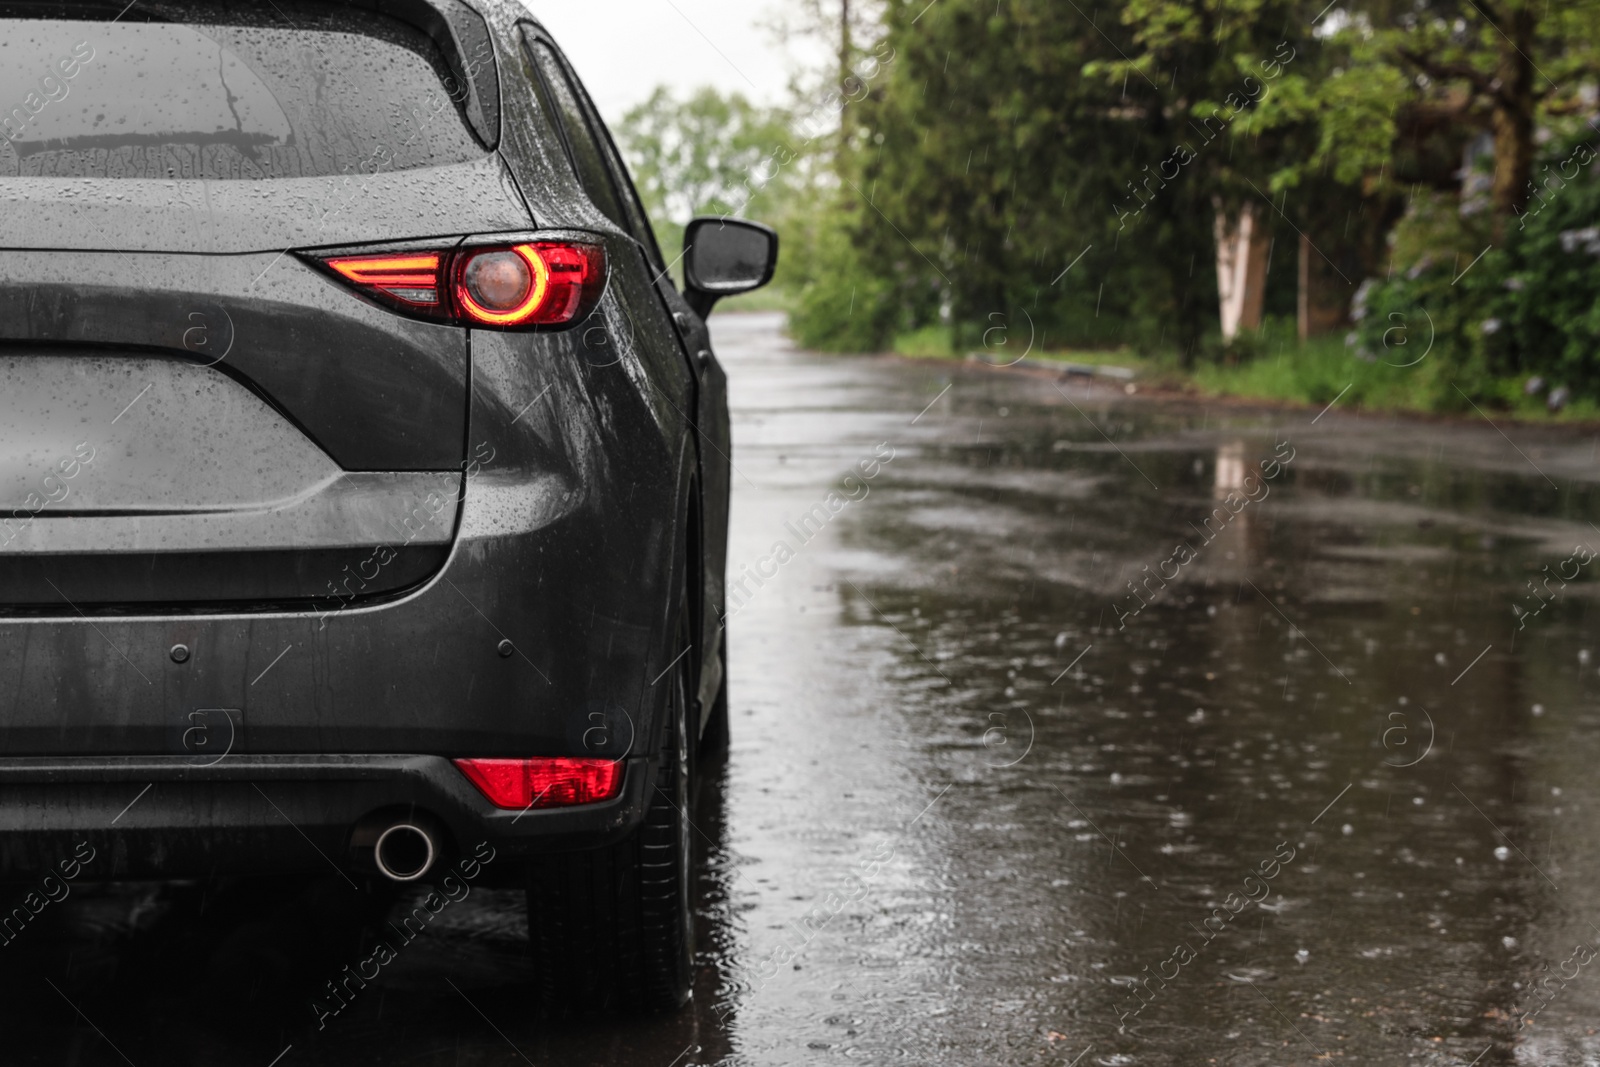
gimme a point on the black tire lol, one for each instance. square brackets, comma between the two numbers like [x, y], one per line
[612, 930]
[714, 741]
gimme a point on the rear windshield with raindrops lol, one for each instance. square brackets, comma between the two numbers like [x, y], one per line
[222, 92]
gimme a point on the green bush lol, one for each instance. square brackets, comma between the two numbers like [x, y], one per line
[929, 341]
[1323, 369]
[840, 304]
[1529, 307]
[1427, 329]
[1549, 309]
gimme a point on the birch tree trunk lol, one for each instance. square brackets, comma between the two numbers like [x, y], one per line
[1242, 244]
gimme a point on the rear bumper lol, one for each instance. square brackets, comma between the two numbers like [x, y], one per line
[169, 818]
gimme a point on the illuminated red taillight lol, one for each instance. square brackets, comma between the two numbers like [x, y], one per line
[537, 283]
[411, 279]
[533, 284]
[553, 782]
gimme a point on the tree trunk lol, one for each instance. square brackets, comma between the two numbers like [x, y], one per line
[1513, 115]
[1242, 244]
[844, 48]
[1323, 298]
[847, 85]
[1182, 254]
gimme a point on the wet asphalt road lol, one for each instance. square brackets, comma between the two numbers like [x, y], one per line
[1312, 793]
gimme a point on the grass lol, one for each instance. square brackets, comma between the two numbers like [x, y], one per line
[1101, 357]
[938, 342]
[1312, 373]
[930, 342]
[1317, 371]
[768, 299]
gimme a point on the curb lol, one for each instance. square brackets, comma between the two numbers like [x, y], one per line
[1065, 370]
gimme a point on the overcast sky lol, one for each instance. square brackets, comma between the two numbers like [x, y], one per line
[623, 49]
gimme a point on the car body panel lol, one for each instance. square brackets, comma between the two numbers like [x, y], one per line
[703, 409]
[372, 389]
[569, 467]
[218, 218]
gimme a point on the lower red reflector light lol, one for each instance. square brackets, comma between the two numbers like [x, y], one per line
[553, 782]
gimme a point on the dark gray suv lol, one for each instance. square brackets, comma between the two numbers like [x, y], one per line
[364, 474]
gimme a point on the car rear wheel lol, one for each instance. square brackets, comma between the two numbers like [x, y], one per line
[612, 929]
[714, 741]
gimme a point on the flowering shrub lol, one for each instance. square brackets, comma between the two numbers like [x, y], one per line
[1529, 308]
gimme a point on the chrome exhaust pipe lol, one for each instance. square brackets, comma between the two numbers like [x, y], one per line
[405, 851]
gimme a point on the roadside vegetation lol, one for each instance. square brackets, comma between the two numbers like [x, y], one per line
[1396, 205]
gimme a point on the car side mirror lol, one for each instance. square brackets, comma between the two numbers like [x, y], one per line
[723, 256]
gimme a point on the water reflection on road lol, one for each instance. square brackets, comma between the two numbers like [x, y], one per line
[1018, 780]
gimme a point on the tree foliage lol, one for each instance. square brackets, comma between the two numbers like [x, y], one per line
[1059, 170]
[1012, 139]
[1526, 307]
[709, 154]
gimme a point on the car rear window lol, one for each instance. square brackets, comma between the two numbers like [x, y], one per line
[224, 92]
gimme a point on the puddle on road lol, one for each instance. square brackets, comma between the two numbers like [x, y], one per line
[1292, 649]
[1311, 789]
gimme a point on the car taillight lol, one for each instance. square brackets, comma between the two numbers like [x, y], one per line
[553, 782]
[410, 279]
[532, 284]
[535, 283]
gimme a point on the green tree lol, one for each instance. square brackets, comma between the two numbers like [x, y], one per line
[1225, 74]
[1408, 85]
[995, 164]
[1517, 62]
[848, 29]
[709, 153]
[1528, 305]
